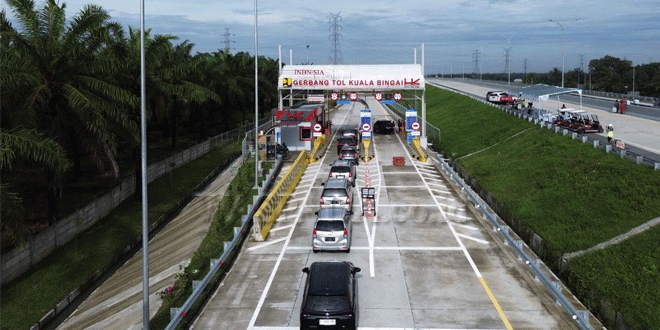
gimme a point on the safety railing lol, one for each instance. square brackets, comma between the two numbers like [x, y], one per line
[317, 152]
[581, 317]
[178, 313]
[270, 209]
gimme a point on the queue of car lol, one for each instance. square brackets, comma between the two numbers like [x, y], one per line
[330, 299]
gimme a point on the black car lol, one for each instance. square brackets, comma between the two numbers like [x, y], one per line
[384, 127]
[345, 140]
[330, 300]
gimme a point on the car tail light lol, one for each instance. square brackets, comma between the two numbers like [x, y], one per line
[348, 201]
[314, 232]
[350, 174]
[330, 174]
[321, 200]
[345, 233]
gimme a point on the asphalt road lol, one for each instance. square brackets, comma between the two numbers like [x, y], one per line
[428, 260]
[640, 135]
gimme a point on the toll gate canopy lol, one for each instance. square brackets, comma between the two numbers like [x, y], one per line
[376, 77]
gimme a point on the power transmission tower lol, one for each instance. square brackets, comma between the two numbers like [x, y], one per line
[581, 68]
[507, 61]
[335, 49]
[475, 57]
[227, 40]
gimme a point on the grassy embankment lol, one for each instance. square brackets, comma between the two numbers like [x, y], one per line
[572, 195]
[26, 299]
[228, 215]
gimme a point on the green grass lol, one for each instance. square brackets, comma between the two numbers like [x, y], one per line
[572, 195]
[626, 274]
[228, 215]
[27, 299]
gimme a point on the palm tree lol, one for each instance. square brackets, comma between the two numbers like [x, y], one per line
[59, 84]
[24, 145]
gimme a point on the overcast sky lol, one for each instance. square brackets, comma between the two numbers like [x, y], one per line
[387, 31]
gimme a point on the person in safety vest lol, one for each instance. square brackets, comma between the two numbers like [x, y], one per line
[610, 133]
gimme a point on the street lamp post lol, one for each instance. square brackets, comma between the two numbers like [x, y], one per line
[256, 99]
[563, 37]
[307, 54]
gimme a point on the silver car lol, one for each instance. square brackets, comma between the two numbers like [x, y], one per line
[337, 192]
[343, 169]
[333, 230]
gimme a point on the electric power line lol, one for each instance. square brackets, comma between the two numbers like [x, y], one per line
[335, 49]
[228, 41]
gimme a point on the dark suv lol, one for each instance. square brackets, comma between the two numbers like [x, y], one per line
[384, 126]
[346, 141]
[349, 153]
[330, 300]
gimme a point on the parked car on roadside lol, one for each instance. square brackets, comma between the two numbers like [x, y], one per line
[330, 298]
[333, 230]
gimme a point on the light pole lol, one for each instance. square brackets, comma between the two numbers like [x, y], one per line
[256, 100]
[563, 34]
[307, 54]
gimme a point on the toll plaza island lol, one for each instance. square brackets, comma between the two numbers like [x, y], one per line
[428, 257]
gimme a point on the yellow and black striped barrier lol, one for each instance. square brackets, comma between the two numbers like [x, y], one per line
[319, 149]
[272, 206]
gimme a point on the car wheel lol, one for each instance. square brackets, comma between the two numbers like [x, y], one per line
[600, 129]
[581, 131]
[315, 251]
[348, 250]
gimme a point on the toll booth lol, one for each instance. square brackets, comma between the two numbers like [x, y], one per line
[294, 126]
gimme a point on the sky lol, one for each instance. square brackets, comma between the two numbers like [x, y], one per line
[388, 32]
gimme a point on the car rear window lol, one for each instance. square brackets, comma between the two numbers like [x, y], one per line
[330, 225]
[334, 193]
[327, 304]
[346, 140]
[340, 169]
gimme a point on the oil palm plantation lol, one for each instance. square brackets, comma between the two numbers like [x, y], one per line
[55, 82]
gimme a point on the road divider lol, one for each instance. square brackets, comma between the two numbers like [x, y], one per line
[272, 206]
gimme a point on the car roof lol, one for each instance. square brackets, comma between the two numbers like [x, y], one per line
[336, 183]
[331, 213]
[329, 277]
[342, 162]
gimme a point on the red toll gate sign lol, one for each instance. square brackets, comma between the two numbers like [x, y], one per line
[353, 96]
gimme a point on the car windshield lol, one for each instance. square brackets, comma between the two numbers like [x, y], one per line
[334, 193]
[346, 140]
[327, 304]
[340, 169]
[329, 225]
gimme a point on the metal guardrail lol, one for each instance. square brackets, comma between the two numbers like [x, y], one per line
[581, 317]
[177, 314]
[624, 153]
[270, 209]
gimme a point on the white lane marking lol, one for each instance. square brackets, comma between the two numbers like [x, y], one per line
[465, 226]
[281, 255]
[281, 228]
[472, 238]
[444, 215]
[266, 244]
[442, 192]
